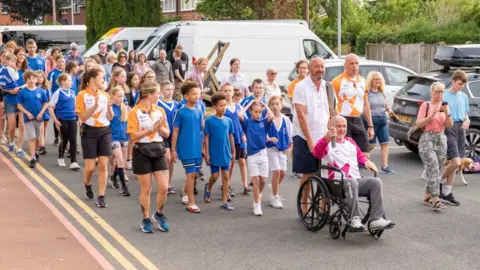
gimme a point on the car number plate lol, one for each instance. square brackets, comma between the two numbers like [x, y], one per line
[404, 118]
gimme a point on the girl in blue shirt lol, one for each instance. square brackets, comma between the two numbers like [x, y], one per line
[279, 144]
[118, 125]
[42, 83]
[52, 77]
[72, 70]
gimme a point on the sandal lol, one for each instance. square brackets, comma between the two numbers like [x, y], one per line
[227, 206]
[438, 205]
[428, 201]
[193, 209]
[206, 195]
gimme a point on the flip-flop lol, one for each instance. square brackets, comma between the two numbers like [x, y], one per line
[193, 209]
[206, 195]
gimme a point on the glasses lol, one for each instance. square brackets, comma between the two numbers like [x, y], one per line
[273, 73]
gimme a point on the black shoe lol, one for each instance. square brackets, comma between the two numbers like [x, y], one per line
[125, 192]
[55, 142]
[89, 192]
[37, 156]
[101, 202]
[449, 199]
[230, 191]
[32, 164]
[42, 151]
[114, 182]
[195, 191]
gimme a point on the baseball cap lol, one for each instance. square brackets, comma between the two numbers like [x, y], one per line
[73, 46]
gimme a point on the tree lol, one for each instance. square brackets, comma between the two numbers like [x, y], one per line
[247, 9]
[29, 10]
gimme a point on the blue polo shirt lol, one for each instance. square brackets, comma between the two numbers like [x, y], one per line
[36, 63]
[256, 131]
[119, 128]
[458, 103]
[219, 130]
[64, 103]
[52, 78]
[247, 101]
[189, 124]
[32, 101]
[281, 134]
[232, 113]
[170, 108]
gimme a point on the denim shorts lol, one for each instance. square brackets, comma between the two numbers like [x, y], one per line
[10, 108]
[380, 129]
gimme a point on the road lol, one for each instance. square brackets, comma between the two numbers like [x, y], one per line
[277, 240]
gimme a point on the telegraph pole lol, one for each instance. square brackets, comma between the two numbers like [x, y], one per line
[54, 13]
[339, 30]
[71, 11]
[306, 11]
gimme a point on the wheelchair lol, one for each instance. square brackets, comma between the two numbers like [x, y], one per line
[322, 195]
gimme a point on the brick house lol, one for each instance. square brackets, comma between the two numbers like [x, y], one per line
[183, 8]
[5, 19]
[79, 13]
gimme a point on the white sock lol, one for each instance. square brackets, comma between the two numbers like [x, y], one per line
[447, 189]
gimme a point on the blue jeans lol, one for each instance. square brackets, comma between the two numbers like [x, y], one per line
[380, 128]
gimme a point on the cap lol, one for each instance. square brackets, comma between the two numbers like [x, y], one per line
[73, 46]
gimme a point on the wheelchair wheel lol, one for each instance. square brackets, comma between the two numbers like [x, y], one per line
[335, 229]
[313, 208]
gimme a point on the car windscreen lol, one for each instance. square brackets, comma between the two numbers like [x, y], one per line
[417, 88]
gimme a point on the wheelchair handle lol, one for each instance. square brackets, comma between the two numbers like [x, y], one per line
[324, 167]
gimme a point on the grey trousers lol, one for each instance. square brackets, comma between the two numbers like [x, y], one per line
[432, 148]
[365, 186]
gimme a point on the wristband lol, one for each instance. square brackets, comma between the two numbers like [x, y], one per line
[370, 126]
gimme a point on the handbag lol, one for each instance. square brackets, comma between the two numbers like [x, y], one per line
[414, 133]
[152, 150]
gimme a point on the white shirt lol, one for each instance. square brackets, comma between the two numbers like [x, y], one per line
[317, 112]
[271, 89]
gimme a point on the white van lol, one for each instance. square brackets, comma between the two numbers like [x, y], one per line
[130, 37]
[258, 44]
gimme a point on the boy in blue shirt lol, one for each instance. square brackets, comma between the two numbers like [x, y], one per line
[35, 61]
[170, 107]
[258, 93]
[53, 75]
[220, 149]
[256, 128]
[32, 102]
[187, 141]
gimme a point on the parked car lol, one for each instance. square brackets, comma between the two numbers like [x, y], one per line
[417, 91]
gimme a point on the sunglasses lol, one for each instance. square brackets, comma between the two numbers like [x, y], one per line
[273, 73]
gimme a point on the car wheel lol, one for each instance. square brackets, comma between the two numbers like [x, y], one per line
[412, 147]
[472, 142]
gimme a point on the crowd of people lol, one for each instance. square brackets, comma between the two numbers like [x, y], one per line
[134, 114]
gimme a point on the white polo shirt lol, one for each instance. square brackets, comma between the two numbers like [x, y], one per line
[271, 89]
[316, 103]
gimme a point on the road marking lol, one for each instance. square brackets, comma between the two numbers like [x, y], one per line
[79, 236]
[103, 224]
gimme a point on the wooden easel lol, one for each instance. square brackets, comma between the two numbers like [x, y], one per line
[210, 79]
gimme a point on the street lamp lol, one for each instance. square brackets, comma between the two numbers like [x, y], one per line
[339, 28]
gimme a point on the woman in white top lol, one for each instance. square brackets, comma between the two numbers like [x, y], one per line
[237, 79]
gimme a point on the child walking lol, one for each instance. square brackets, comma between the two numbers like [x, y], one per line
[133, 83]
[169, 105]
[187, 143]
[43, 84]
[72, 70]
[62, 111]
[53, 81]
[279, 144]
[32, 102]
[220, 149]
[256, 128]
[118, 125]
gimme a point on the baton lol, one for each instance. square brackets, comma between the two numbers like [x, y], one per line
[331, 108]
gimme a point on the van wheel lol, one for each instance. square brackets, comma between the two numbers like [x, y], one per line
[472, 142]
[412, 147]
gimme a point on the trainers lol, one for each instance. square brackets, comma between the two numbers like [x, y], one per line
[129, 165]
[296, 175]
[146, 226]
[101, 202]
[89, 194]
[32, 164]
[246, 190]
[276, 202]
[161, 221]
[356, 223]
[381, 224]
[55, 142]
[387, 170]
[449, 199]
[185, 200]
[125, 192]
[113, 182]
[11, 148]
[227, 206]
[20, 153]
[42, 151]
[257, 209]
[230, 191]
[74, 166]
[195, 190]
[37, 156]
[61, 162]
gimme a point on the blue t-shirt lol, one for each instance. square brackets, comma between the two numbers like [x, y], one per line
[170, 108]
[119, 128]
[32, 101]
[237, 125]
[136, 96]
[189, 123]
[458, 103]
[247, 101]
[256, 132]
[52, 78]
[36, 63]
[199, 105]
[219, 130]
[9, 80]
[281, 134]
[46, 115]
[74, 85]
[64, 103]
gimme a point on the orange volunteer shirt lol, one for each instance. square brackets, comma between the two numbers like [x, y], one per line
[351, 95]
[139, 118]
[86, 100]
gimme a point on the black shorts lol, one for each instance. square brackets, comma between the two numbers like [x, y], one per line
[356, 130]
[455, 141]
[1, 95]
[240, 152]
[144, 165]
[96, 141]
[303, 160]
[168, 142]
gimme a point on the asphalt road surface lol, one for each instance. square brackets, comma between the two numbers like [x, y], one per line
[217, 239]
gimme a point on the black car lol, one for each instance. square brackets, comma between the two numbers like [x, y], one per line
[417, 90]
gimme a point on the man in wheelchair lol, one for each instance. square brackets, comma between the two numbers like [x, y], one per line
[346, 156]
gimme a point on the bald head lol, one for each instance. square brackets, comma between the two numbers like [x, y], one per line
[317, 68]
[351, 65]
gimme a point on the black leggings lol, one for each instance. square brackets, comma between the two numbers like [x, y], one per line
[68, 132]
[55, 131]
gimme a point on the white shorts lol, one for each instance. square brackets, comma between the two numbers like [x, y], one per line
[277, 161]
[258, 164]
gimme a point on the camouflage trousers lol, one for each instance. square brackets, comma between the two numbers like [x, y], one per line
[432, 148]
[177, 93]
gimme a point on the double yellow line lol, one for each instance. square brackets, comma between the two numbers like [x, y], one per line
[82, 221]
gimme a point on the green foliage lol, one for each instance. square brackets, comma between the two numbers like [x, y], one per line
[247, 9]
[27, 10]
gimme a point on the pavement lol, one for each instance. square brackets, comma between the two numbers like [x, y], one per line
[219, 239]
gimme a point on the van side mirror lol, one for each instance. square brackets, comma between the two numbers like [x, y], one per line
[156, 53]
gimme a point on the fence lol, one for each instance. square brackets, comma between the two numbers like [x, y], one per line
[417, 57]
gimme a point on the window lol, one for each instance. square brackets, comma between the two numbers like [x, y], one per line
[136, 44]
[64, 11]
[474, 88]
[188, 4]
[396, 76]
[332, 72]
[4, 11]
[169, 5]
[417, 87]
[124, 44]
[313, 48]
[365, 70]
